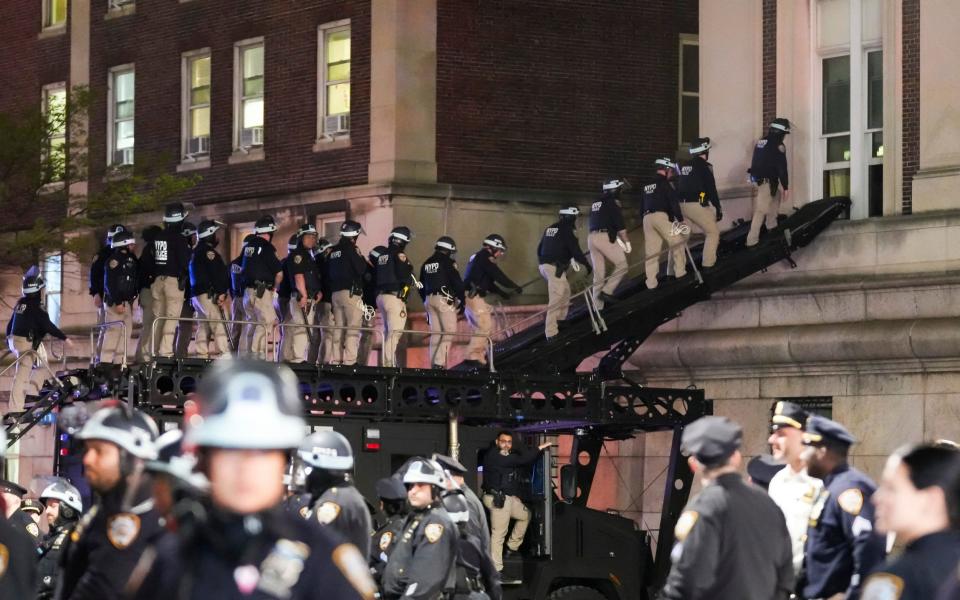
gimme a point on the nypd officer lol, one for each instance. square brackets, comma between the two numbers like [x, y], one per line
[700, 202]
[558, 251]
[63, 508]
[842, 547]
[241, 341]
[283, 300]
[422, 564]
[328, 460]
[768, 171]
[170, 258]
[476, 578]
[305, 292]
[19, 573]
[393, 505]
[97, 268]
[241, 542]
[107, 542]
[347, 267]
[369, 303]
[209, 282]
[321, 346]
[444, 295]
[12, 495]
[608, 241]
[394, 279]
[731, 542]
[186, 329]
[663, 222]
[483, 277]
[146, 272]
[261, 274]
[120, 289]
[456, 483]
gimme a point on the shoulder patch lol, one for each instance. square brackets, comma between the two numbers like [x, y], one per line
[297, 259]
[304, 511]
[123, 529]
[354, 568]
[33, 530]
[649, 189]
[685, 523]
[433, 532]
[761, 143]
[211, 255]
[851, 501]
[385, 540]
[4, 559]
[114, 263]
[328, 512]
[882, 586]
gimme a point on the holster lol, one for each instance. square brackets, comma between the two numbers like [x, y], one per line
[472, 291]
[612, 236]
[561, 268]
[181, 283]
[703, 199]
[260, 288]
[499, 498]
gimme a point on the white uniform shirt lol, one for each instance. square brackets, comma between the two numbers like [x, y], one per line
[795, 493]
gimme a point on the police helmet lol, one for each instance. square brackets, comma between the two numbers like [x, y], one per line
[401, 234]
[114, 230]
[569, 211]
[174, 213]
[188, 229]
[133, 432]
[613, 185]
[699, 145]
[173, 462]
[456, 506]
[265, 224]
[376, 253]
[248, 238]
[495, 241]
[780, 124]
[247, 404]
[323, 244]
[123, 238]
[446, 242]
[62, 490]
[391, 488]
[306, 229]
[350, 229]
[292, 242]
[207, 228]
[327, 450]
[664, 162]
[32, 281]
[424, 471]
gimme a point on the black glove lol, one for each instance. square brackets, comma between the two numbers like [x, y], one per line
[719, 215]
[518, 290]
[589, 268]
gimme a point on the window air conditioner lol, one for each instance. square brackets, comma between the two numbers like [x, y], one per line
[336, 124]
[123, 156]
[198, 146]
[252, 136]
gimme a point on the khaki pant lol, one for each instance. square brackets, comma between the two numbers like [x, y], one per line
[112, 338]
[286, 333]
[601, 251]
[240, 339]
[479, 315]
[346, 313]
[261, 310]
[24, 369]
[765, 209]
[704, 217]
[513, 508]
[296, 340]
[167, 302]
[208, 309]
[658, 229]
[558, 298]
[146, 330]
[185, 333]
[321, 349]
[393, 311]
[442, 317]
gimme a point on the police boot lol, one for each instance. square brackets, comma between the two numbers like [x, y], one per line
[607, 298]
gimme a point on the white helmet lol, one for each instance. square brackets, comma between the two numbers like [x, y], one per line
[664, 163]
[456, 506]
[425, 471]
[327, 450]
[570, 211]
[133, 432]
[613, 184]
[61, 489]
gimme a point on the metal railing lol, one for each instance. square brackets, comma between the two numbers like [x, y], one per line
[282, 326]
[225, 322]
[96, 347]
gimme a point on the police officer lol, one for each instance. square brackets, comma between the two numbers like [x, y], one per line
[769, 166]
[761, 469]
[455, 472]
[558, 251]
[483, 277]
[792, 489]
[171, 260]
[444, 295]
[608, 241]
[173, 477]
[422, 564]
[731, 541]
[328, 461]
[369, 303]
[121, 285]
[663, 222]
[393, 505]
[107, 542]
[63, 508]
[241, 542]
[394, 279]
[26, 329]
[306, 291]
[209, 282]
[13, 501]
[842, 547]
[33, 509]
[346, 266]
[914, 502]
[187, 330]
[97, 268]
[700, 202]
[261, 274]
[321, 348]
[283, 301]
[476, 577]
[19, 574]
[146, 273]
[241, 341]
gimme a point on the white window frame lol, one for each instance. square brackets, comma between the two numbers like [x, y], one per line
[54, 288]
[328, 218]
[686, 39]
[45, 94]
[238, 97]
[46, 25]
[322, 32]
[111, 107]
[186, 79]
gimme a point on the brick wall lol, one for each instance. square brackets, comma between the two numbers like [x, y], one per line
[769, 61]
[911, 99]
[556, 94]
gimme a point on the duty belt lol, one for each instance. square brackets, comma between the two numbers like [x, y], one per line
[604, 230]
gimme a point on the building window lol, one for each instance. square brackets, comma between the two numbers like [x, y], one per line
[874, 131]
[53, 277]
[689, 100]
[120, 107]
[54, 13]
[835, 132]
[196, 105]
[329, 226]
[54, 107]
[248, 95]
[334, 79]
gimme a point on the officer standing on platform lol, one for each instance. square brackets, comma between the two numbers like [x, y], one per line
[321, 347]
[663, 222]
[558, 251]
[700, 202]
[171, 260]
[305, 292]
[369, 303]
[239, 336]
[283, 301]
[393, 504]
[121, 285]
[146, 273]
[608, 241]
[731, 541]
[185, 329]
[478, 525]
[261, 274]
[444, 296]
[483, 277]
[394, 279]
[209, 282]
[328, 460]
[97, 269]
[476, 577]
[842, 547]
[63, 508]
[19, 575]
[347, 267]
[768, 170]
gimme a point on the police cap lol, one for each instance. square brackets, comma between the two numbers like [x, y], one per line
[391, 488]
[822, 431]
[450, 464]
[787, 414]
[31, 506]
[9, 487]
[761, 469]
[712, 440]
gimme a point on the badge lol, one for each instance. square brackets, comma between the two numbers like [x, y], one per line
[297, 259]
[327, 512]
[818, 507]
[354, 568]
[304, 511]
[113, 263]
[851, 501]
[246, 578]
[882, 586]
[4, 559]
[281, 569]
[385, 540]
[433, 532]
[123, 529]
[685, 523]
[33, 530]
[211, 255]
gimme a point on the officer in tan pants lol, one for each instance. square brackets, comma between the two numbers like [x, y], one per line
[261, 274]
[768, 170]
[443, 297]
[663, 223]
[120, 289]
[558, 251]
[608, 242]
[700, 202]
[171, 260]
[484, 277]
[346, 267]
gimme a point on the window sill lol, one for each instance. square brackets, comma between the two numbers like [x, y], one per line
[52, 31]
[324, 144]
[118, 173]
[193, 165]
[122, 11]
[239, 156]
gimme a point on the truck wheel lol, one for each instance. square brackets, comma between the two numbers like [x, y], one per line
[575, 592]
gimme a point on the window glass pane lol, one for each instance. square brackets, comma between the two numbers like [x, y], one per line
[338, 98]
[338, 46]
[876, 146]
[200, 80]
[200, 121]
[253, 86]
[836, 94]
[691, 68]
[52, 268]
[338, 72]
[838, 149]
[124, 110]
[834, 22]
[252, 113]
[836, 183]
[123, 86]
[56, 12]
[875, 184]
[124, 135]
[874, 90]
[253, 62]
[690, 118]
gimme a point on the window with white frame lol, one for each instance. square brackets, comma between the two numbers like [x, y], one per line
[54, 13]
[52, 273]
[118, 4]
[121, 109]
[334, 79]
[689, 99]
[54, 107]
[248, 94]
[328, 226]
[196, 105]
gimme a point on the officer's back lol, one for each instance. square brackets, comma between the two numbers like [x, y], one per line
[260, 263]
[18, 565]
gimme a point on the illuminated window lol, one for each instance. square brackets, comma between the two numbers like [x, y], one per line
[689, 107]
[54, 13]
[121, 109]
[196, 105]
[248, 94]
[52, 273]
[54, 106]
[334, 79]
